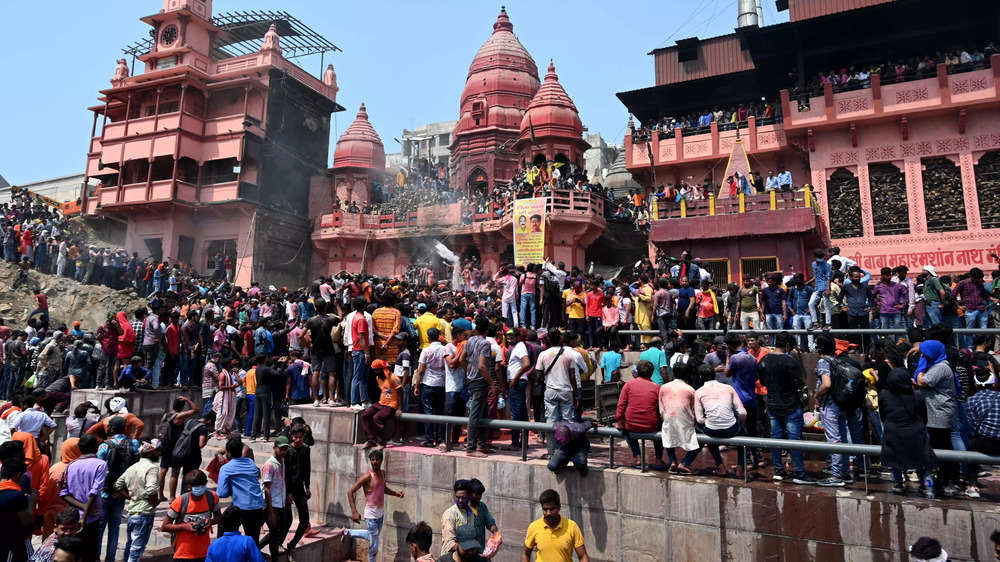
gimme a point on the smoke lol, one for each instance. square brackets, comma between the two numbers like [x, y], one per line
[450, 257]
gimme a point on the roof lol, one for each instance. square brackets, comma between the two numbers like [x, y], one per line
[3, 182]
[359, 146]
[243, 33]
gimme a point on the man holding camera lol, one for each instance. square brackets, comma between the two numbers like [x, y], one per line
[190, 518]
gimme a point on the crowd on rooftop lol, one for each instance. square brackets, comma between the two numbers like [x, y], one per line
[698, 122]
[857, 76]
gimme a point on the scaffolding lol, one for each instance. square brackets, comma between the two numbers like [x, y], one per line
[243, 33]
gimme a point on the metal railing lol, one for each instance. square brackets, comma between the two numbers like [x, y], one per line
[857, 450]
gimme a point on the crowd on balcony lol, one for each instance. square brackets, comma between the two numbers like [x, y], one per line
[699, 122]
[858, 76]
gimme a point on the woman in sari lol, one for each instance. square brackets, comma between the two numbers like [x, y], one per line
[48, 497]
[126, 343]
[224, 403]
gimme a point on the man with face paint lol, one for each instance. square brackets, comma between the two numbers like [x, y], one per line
[456, 517]
[191, 517]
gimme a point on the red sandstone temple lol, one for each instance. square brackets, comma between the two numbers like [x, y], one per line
[211, 147]
[902, 165]
[219, 146]
[507, 121]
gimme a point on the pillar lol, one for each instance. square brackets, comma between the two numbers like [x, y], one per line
[971, 196]
[865, 194]
[915, 195]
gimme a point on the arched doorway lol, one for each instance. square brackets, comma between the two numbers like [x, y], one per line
[539, 160]
[561, 158]
[478, 181]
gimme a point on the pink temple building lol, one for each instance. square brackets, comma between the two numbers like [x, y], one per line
[210, 147]
[902, 160]
[502, 104]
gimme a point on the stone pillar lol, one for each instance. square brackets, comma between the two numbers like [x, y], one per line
[969, 191]
[864, 190]
[915, 195]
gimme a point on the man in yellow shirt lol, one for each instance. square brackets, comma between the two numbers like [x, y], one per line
[574, 300]
[556, 537]
[426, 321]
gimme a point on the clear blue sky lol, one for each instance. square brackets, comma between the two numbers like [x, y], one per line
[406, 60]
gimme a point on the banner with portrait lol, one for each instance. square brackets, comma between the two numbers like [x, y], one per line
[529, 230]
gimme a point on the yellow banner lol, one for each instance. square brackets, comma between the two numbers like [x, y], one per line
[529, 230]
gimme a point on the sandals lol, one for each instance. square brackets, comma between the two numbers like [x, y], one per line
[681, 469]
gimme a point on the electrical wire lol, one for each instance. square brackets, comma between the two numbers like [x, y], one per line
[687, 21]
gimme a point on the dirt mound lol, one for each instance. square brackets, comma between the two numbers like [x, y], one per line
[68, 300]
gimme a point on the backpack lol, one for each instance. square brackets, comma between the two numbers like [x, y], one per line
[847, 384]
[163, 432]
[185, 441]
[120, 457]
[185, 499]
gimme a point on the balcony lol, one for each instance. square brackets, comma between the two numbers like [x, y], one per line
[454, 219]
[758, 215]
[962, 86]
[706, 143]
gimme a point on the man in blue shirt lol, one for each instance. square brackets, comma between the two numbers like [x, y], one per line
[658, 358]
[238, 479]
[822, 276]
[771, 184]
[232, 546]
[775, 306]
[611, 361]
[742, 369]
[798, 301]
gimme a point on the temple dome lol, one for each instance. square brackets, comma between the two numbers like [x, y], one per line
[552, 112]
[360, 146]
[502, 80]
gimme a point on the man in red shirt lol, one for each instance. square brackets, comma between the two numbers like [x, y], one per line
[43, 308]
[358, 339]
[594, 301]
[173, 337]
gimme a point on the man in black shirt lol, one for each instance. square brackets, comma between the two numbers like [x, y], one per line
[271, 384]
[781, 374]
[298, 465]
[324, 364]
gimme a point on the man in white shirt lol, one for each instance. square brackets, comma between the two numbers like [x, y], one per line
[429, 385]
[845, 262]
[771, 184]
[558, 366]
[454, 380]
[519, 366]
[784, 179]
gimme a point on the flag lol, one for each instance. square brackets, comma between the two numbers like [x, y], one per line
[531, 129]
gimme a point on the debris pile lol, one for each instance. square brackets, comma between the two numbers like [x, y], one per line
[68, 300]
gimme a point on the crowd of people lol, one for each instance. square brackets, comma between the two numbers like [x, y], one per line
[517, 344]
[698, 122]
[959, 59]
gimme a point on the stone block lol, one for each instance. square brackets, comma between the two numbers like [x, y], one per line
[642, 494]
[343, 426]
[807, 513]
[343, 459]
[953, 527]
[402, 467]
[318, 456]
[863, 554]
[400, 511]
[986, 519]
[437, 471]
[869, 522]
[319, 484]
[748, 508]
[513, 516]
[468, 468]
[513, 480]
[338, 484]
[695, 542]
[433, 504]
[690, 501]
[645, 540]
[318, 420]
[600, 533]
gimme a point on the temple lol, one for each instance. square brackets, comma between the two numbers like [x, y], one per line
[508, 121]
[894, 157]
[210, 148]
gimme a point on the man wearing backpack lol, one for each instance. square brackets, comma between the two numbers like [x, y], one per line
[139, 485]
[191, 517]
[185, 455]
[840, 393]
[119, 452]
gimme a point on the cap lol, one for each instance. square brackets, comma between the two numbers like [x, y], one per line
[149, 446]
[930, 269]
[117, 405]
[76, 323]
[470, 545]
[282, 442]
[380, 364]
[461, 324]
[421, 307]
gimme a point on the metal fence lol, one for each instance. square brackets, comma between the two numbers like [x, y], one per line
[857, 450]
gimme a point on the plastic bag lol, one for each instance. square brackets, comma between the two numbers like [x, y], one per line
[492, 545]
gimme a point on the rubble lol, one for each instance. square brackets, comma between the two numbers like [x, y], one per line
[68, 300]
